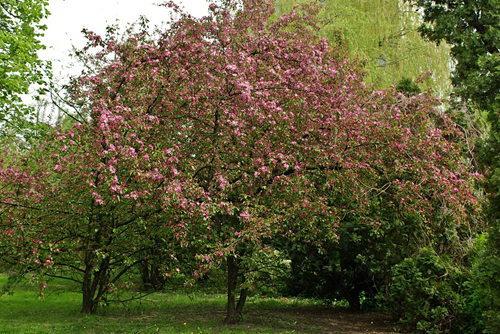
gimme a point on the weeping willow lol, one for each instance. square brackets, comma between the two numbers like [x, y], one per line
[384, 34]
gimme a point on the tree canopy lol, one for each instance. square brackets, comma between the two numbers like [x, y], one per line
[20, 67]
[384, 33]
[471, 28]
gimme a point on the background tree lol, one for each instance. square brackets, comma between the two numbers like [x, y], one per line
[20, 67]
[472, 30]
[384, 33]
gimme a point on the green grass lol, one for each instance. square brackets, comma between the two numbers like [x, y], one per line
[173, 312]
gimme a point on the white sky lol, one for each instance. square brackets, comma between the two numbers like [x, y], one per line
[69, 17]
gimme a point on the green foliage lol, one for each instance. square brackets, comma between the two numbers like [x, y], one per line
[485, 287]
[471, 27]
[385, 34]
[20, 67]
[472, 292]
[423, 293]
[349, 269]
[408, 87]
[358, 266]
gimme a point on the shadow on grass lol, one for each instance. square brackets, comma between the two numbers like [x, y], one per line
[24, 312]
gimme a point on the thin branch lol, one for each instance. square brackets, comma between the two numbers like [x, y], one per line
[66, 278]
[130, 299]
[70, 266]
[31, 208]
[124, 270]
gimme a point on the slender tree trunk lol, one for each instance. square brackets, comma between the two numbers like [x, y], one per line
[88, 294]
[150, 274]
[234, 310]
[95, 284]
[146, 279]
[232, 280]
[87, 286]
[241, 301]
[156, 279]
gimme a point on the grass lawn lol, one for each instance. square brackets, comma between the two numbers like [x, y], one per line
[174, 312]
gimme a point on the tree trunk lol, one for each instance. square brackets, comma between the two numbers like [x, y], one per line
[95, 284]
[241, 301]
[88, 294]
[146, 279]
[233, 310]
[151, 276]
[157, 281]
[353, 299]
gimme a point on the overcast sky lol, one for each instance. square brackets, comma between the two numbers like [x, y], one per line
[69, 17]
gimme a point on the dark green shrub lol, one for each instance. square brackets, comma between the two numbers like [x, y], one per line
[333, 272]
[425, 294]
[485, 285]
[408, 87]
[352, 268]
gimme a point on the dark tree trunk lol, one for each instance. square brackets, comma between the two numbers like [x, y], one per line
[234, 310]
[232, 280]
[151, 277]
[353, 299]
[157, 281]
[145, 276]
[241, 301]
[87, 302]
[88, 294]
[95, 284]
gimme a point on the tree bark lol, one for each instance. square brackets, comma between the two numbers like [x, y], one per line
[241, 301]
[146, 279]
[232, 280]
[88, 300]
[95, 284]
[233, 312]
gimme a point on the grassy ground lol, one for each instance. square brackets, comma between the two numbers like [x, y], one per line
[174, 312]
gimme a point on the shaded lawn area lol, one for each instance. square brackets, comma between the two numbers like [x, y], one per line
[176, 312]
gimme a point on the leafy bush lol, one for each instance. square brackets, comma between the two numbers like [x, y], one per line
[349, 269]
[425, 293]
[485, 286]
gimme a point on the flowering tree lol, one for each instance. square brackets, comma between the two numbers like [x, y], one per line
[65, 215]
[222, 133]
